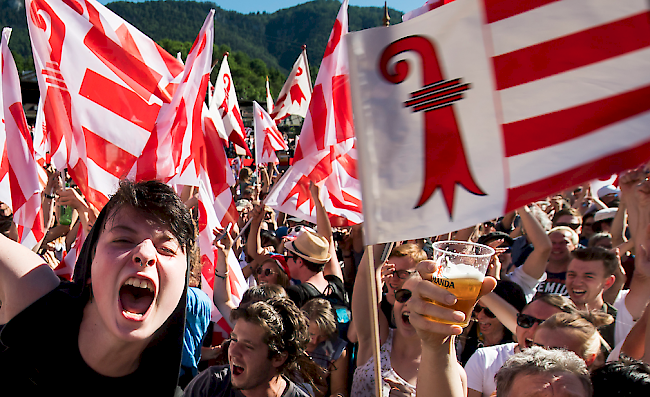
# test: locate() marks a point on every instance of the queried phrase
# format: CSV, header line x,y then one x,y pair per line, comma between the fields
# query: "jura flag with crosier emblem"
x,y
481,106
224,102
296,92
268,138
326,151
19,185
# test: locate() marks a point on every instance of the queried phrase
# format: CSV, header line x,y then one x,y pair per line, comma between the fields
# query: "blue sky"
x,y
246,6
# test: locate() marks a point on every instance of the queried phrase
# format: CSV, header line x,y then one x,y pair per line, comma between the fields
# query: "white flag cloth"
x,y
268,138
269,98
295,95
103,83
19,184
453,131
224,102
428,6
179,127
326,152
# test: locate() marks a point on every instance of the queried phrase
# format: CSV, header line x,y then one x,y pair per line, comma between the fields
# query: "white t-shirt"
x,y
624,320
526,282
484,364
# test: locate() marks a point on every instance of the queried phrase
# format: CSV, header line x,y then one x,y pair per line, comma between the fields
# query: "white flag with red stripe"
x,y
65,268
268,138
481,106
103,84
326,152
224,102
295,95
19,184
178,131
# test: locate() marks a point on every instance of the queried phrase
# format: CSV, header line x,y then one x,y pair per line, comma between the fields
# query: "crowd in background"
x,y
568,310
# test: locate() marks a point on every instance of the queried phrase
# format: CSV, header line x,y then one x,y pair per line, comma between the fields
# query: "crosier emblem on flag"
x,y
442,144
558,97
296,93
326,151
19,185
268,138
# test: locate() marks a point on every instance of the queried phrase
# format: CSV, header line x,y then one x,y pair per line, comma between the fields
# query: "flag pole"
x,y
304,51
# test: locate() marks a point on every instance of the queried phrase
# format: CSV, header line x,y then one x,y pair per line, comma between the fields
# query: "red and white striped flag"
x,y
224,102
268,138
326,152
99,112
65,268
295,95
178,131
481,106
19,185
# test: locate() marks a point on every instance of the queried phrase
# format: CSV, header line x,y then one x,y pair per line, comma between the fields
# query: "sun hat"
x,y
608,189
605,214
311,246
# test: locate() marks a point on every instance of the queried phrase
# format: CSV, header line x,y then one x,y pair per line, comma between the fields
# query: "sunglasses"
x,y
402,274
573,226
267,272
526,321
485,310
403,295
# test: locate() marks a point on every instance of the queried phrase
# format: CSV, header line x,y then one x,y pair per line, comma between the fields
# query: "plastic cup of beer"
x,y
461,267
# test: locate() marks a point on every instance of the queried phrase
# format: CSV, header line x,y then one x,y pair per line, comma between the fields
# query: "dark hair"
x,y
262,293
5,223
609,259
286,330
566,211
488,238
312,266
512,293
626,377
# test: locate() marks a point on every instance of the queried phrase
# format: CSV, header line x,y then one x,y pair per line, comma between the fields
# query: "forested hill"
x,y
274,38
261,44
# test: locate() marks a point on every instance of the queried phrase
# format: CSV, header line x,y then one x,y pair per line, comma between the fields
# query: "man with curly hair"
x,y
267,348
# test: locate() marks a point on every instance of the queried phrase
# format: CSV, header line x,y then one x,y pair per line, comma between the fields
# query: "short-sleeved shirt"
x,y
215,382
484,364
197,319
527,283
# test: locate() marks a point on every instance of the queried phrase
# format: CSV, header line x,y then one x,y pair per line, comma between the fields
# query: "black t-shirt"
x,y
39,354
300,294
554,284
215,382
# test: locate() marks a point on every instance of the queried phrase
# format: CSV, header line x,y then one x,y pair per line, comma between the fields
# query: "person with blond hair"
x,y
577,332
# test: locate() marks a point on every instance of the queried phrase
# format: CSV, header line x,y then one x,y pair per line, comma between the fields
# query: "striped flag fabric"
x,y
99,113
268,138
482,106
326,151
19,180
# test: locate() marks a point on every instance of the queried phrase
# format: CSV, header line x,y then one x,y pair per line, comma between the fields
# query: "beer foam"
x,y
460,270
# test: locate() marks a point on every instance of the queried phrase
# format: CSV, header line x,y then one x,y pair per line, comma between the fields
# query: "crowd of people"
x,y
562,309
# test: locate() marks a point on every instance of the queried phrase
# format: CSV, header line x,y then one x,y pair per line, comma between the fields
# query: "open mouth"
x,y
237,370
406,318
136,297
528,342
579,292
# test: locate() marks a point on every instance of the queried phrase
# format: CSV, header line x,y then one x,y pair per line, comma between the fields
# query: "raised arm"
x,y
439,370
221,291
639,295
361,306
24,278
505,312
535,264
254,242
325,229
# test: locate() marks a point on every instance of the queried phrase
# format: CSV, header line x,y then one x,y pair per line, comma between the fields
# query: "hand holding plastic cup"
x,y
461,267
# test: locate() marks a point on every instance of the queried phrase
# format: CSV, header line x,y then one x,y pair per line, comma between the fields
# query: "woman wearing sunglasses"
x,y
402,349
486,329
486,361
273,270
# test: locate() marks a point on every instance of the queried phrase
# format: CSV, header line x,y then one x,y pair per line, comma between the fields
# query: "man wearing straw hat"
x,y
307,256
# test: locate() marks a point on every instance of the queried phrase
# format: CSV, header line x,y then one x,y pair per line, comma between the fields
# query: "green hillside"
x,y
261,44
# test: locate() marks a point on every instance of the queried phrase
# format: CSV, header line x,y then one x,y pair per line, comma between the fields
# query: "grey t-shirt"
x,y
215,382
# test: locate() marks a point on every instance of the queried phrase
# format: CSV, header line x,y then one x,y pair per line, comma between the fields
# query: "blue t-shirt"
x,y
197,319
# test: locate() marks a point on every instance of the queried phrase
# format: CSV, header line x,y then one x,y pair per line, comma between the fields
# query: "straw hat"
x,y
311,246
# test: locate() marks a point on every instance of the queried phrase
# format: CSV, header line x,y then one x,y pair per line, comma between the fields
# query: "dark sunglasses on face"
x,y
573,226
526,321
403,295
402,274
267,272
485,310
